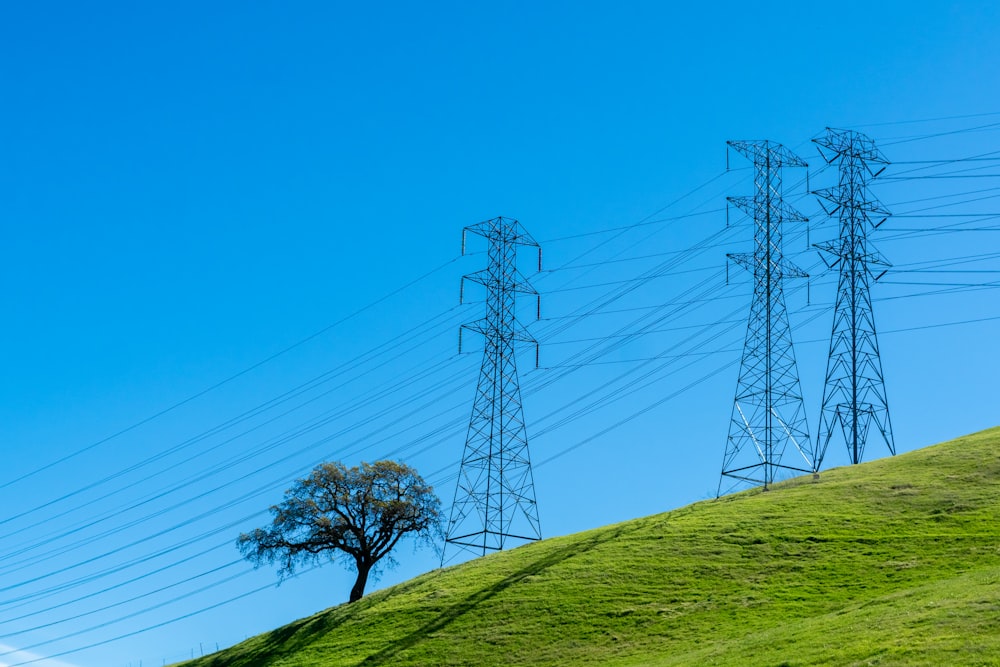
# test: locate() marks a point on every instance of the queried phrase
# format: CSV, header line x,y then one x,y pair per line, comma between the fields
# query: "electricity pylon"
x,y
854,395
495,495
768,411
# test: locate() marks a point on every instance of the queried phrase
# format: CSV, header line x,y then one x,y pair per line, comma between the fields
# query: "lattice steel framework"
x,y
854,396
768,412
495,495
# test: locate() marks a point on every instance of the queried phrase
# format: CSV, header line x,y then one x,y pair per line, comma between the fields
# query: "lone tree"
x,y
361,512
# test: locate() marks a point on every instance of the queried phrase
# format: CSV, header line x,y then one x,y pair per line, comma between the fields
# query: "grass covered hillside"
x,y
894,562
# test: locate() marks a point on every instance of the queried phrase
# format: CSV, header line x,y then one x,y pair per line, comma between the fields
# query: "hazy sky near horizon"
x,y
231,248
23,656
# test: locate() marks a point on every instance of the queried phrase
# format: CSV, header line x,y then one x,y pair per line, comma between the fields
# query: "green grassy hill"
x,y
894,562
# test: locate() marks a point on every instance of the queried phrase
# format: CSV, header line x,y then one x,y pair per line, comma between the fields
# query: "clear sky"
x,y
197,199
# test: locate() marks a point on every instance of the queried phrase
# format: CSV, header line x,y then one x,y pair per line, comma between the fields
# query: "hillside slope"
x,y
894,562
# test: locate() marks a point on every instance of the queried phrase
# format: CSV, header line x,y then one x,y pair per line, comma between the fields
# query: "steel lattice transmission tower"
x,y
495,495
768,412
854,395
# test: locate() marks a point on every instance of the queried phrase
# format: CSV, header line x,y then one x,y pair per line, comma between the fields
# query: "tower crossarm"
x,y
517,333
782,267
851,145
502,230
751,206
514,282
844,249
844,197
765,152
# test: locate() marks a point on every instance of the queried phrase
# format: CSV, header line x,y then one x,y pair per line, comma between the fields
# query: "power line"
x,y
928,120
223,382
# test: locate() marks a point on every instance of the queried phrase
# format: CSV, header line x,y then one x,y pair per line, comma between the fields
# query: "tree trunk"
x,y
359,585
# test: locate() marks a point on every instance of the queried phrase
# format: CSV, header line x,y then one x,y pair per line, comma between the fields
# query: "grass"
x,y
893,562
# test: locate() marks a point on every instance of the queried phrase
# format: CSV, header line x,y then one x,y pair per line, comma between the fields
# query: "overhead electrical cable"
x,y
224,381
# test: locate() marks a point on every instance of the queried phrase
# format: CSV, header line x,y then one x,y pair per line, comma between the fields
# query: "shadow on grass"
x,y
388,655
287,640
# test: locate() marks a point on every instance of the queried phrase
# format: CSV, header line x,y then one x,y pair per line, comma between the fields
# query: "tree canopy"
x,y
359,513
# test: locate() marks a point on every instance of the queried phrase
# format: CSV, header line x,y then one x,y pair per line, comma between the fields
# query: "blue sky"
x,y
190,189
